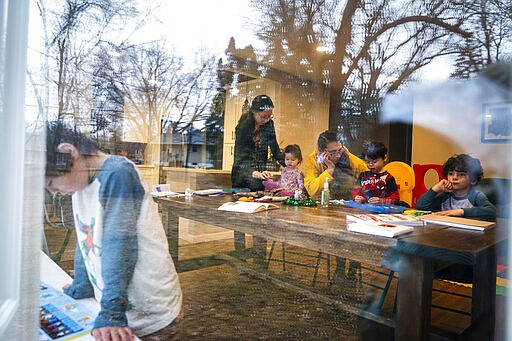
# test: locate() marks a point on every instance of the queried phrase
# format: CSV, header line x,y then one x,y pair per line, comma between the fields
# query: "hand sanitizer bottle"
x,y
325,194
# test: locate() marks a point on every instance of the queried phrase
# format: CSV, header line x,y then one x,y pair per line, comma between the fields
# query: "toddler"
x,y
375,186
292,178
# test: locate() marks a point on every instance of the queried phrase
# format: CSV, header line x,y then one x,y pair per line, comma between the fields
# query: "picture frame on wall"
x,y
497,122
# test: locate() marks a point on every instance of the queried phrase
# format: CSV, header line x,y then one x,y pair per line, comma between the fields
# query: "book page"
x,y
393,218
247,207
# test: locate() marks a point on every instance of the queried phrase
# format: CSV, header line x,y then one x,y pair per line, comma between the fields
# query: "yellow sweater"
x,y
316,173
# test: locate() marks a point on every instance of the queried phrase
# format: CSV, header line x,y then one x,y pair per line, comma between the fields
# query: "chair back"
x,y
420,171
497,191
404,177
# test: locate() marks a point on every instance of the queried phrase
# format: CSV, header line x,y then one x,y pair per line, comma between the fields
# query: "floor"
x,y
232,301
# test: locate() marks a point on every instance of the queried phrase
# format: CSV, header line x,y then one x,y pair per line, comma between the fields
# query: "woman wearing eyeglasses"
x,y
334,162
255,134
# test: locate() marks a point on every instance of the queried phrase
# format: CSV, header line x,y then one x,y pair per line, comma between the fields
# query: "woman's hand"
x,y
443,185
112,334
265,175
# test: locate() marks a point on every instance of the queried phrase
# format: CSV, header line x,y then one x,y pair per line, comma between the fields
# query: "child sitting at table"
x,y
292,178
375,186
121,254
456,195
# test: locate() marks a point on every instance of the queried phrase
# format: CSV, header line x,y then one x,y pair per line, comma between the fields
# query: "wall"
x,y
448,120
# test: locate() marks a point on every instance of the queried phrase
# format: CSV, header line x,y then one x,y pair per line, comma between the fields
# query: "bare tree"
x,y
71,32
148,90
156,85
490,22
370,48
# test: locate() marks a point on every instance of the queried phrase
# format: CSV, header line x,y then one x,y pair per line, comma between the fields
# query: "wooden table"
x,y
325,230
419,254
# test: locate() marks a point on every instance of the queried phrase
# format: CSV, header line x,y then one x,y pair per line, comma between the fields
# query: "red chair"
x,y
419,173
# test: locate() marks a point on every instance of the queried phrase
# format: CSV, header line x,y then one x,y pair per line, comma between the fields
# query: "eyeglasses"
x,y
265,118
334,152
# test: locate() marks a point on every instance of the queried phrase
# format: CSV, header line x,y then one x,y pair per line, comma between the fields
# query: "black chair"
x,y
497,191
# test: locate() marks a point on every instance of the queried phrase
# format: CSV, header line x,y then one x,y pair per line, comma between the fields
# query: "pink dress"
x,y
292,180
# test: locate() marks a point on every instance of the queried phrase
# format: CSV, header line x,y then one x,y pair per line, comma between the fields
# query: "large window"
x,y
17,247
165,84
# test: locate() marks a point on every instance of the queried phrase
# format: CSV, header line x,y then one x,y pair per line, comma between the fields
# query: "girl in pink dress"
x,y
292,178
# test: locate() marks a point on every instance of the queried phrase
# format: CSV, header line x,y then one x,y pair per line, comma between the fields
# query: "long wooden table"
x,y
325,230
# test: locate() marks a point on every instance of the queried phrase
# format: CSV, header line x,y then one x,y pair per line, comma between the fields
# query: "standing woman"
x,y
255,133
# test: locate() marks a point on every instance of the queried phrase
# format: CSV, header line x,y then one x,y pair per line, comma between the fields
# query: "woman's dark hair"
x,y
464,163
294,149
374,150
325,138
58,132
261,103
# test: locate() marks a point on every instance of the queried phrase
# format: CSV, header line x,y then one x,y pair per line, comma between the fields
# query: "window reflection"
x,y
367,71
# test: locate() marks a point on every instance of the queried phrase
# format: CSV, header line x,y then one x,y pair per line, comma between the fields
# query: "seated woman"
x,y
334,162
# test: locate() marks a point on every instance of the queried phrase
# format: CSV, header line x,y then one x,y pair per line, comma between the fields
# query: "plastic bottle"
x,y
325,194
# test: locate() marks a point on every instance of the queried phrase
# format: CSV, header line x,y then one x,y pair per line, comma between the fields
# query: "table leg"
x,y
414,298
171,224
483,307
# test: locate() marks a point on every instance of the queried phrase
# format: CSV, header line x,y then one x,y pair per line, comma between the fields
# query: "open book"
x,y
380,229
164,190
247,207
390,218
464,223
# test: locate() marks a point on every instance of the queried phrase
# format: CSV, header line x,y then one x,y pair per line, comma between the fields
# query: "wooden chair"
x,y
405,180
318,258
55,216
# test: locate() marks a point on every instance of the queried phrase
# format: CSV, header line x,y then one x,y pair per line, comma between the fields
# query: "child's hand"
x,y
443,185
359,199
374,200
265,175
112,333
459,212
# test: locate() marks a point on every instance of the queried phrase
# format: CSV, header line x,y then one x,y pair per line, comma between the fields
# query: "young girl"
x,y
291,177
375,186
